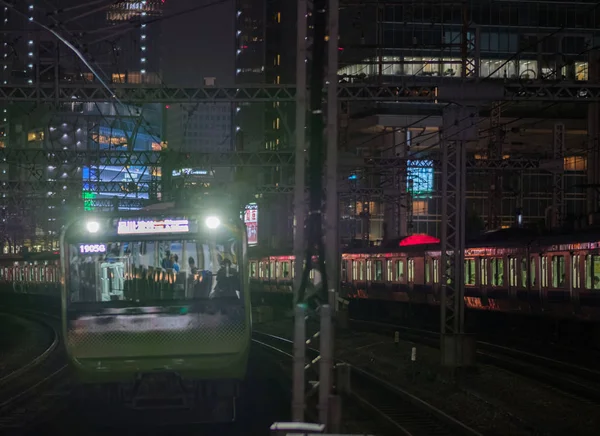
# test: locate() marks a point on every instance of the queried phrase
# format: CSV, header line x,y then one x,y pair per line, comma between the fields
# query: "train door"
x,y
410,273
513,281
544,279
575,282
112,280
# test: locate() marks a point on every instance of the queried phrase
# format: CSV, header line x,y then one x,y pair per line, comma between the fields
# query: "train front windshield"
x,y
140,269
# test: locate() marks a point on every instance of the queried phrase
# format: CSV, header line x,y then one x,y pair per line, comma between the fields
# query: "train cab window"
x,y
544,273
483,272
470,272
497,272
285,270
369,270
559,276
390,271
592,272
253,269
411,270
436,270
576,271
513,271
378,270
532,271
400,271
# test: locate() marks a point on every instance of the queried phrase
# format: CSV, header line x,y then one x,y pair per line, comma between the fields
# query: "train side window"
x,y
378,270
369,270
354,270
272,269
277,270
532,271
428,266
260,270
512,271
483,271
523,272
361,270
293,268
285,270
400,270
436,270
592,272
344,271
253,269
576,271
411,270
497,272
558,271
544,272
469,272
390,270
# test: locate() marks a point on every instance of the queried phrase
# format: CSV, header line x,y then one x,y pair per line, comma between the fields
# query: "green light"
x,y
88,197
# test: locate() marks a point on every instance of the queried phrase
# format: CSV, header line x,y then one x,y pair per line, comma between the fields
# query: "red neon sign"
x,y
418,240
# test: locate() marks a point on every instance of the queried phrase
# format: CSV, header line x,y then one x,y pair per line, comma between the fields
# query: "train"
x,y
155,307
511,270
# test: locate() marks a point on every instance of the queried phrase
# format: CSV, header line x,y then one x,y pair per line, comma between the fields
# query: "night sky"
x,y
198,44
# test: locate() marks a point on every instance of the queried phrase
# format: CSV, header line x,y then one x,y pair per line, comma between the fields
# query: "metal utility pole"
x,y
332,251
458,129
316,153
300,162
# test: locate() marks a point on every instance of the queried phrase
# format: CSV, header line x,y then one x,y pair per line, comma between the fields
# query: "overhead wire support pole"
x,y
458,128
316,154
332,200
300,164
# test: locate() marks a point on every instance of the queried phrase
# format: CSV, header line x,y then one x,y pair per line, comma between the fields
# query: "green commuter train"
x,y
155,308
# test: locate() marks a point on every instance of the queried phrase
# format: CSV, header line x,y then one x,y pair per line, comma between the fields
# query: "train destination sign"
x,y
92,248
134,227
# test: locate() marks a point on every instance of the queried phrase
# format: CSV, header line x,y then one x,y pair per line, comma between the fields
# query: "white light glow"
x,y
212,222
93,226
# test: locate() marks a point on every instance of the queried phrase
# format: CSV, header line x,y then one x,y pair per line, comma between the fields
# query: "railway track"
x,y
397,411
36,389
567,377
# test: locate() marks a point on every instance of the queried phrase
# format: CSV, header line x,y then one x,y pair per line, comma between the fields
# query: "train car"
x,y
513,270
34,273
155,308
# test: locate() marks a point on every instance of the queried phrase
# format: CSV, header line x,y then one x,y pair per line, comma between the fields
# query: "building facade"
x,y
121,49
265,53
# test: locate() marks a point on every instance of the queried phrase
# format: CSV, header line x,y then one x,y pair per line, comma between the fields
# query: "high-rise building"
x,y
121,49
265,53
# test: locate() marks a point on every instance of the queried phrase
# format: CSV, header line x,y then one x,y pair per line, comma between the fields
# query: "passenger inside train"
x,y
150,270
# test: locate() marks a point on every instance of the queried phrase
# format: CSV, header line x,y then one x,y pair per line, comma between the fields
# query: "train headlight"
x,y
93,226
212,222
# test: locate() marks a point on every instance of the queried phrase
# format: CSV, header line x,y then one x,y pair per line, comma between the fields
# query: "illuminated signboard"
x,y
152,227
189,172
92,248
251,221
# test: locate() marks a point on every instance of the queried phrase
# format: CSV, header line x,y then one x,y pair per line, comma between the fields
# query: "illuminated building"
x,y
265,53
